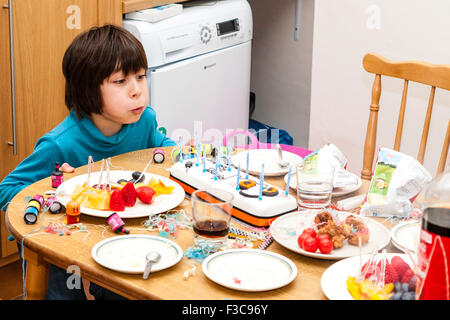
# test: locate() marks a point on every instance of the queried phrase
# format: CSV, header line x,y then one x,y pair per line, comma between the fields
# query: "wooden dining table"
x,y
41,249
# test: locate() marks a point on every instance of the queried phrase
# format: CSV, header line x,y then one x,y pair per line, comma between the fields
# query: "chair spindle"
x,y
369,145
401,118
426,127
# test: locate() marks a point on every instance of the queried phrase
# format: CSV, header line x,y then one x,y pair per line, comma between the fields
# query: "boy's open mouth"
x,y
137,110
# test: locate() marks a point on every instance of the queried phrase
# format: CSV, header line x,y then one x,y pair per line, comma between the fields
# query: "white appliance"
x,y
199,68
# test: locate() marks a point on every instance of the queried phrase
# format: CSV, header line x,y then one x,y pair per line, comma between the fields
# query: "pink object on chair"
x,y
255,144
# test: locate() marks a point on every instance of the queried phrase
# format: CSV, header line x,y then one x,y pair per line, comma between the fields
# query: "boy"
x,y
107,95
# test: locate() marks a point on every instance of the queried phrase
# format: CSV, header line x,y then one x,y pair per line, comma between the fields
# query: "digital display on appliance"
x,y
227,27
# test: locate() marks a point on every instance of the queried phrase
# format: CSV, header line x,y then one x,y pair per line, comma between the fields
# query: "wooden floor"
x,y
11,281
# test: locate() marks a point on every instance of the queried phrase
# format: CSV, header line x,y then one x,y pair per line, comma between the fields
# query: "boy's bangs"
x,y
131,58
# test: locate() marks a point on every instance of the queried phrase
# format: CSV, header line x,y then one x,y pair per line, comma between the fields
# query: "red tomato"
x,y
323,236
310,244
301,239
310,231
325,246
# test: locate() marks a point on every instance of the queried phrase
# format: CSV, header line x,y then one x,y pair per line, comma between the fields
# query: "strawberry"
x,y
400,265
390,274
145,194
116,201
407,276
129,194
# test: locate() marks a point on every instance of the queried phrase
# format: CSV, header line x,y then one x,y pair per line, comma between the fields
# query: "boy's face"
x,y
124,97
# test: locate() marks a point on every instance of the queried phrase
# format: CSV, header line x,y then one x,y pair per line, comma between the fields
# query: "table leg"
x,y
36,276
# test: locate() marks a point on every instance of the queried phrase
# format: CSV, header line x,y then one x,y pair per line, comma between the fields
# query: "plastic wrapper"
x,y
330,155
396,181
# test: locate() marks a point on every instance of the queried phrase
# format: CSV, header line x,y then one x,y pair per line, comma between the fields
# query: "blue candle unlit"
x,y
219,153
286,192
238,176
246,170
229,158
215,170
204,159
261,182
181,150
198,154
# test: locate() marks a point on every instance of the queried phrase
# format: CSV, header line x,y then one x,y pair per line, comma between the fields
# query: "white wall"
x,y
281,66
344,31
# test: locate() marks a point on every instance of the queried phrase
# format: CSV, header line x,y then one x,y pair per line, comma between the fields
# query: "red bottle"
x,y
433,278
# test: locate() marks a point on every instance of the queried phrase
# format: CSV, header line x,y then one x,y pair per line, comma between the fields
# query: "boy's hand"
x,y
66,168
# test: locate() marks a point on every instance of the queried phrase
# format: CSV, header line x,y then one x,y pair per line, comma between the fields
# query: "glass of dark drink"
x,y
211,215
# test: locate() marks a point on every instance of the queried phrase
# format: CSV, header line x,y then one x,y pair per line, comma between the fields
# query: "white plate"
x,y
406,235
127,253
286,229
249,269
337,192
161,203
270,159
333,281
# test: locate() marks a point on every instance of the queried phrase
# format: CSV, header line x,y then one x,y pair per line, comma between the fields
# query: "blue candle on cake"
x,y
219,153
197,150
204,159
238,176
181,150
229,158
215,170
246,170
286,192
261,182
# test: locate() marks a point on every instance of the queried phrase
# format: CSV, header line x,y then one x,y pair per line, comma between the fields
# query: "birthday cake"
x,y
252,204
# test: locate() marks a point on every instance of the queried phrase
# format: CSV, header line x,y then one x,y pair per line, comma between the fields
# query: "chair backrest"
x,y
436,76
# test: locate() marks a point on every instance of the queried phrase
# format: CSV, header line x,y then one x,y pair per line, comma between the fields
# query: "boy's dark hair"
x,y
91,58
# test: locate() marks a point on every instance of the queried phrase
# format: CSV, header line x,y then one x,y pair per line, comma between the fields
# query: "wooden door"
x,y
5,93
42,30
7,248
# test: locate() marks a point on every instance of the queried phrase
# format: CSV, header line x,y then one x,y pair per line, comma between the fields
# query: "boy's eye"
x,y
141,76
119,81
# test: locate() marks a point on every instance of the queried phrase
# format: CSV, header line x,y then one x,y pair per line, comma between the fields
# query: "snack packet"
x,y
396,181
330,155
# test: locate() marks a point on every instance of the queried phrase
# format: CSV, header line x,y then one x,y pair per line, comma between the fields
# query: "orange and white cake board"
x,y
246,203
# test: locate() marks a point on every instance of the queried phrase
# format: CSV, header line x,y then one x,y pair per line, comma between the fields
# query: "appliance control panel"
x,y
198,30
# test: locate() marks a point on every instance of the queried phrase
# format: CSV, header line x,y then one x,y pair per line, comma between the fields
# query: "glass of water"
x,y
314,186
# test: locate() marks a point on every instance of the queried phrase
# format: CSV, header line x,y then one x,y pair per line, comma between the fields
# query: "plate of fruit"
x,y
329,234
129,193
369,278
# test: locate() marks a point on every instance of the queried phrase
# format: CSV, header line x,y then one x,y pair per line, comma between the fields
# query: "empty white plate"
x,y
337,192
128,253
270,159
406,235
249,269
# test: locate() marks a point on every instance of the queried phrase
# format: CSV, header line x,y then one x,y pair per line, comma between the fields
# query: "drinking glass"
x,y
314,185
211,215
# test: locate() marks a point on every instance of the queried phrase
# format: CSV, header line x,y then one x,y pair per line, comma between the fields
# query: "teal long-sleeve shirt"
x,y
73,141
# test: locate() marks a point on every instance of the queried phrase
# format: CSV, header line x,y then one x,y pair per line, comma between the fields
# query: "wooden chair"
x,y
437,76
